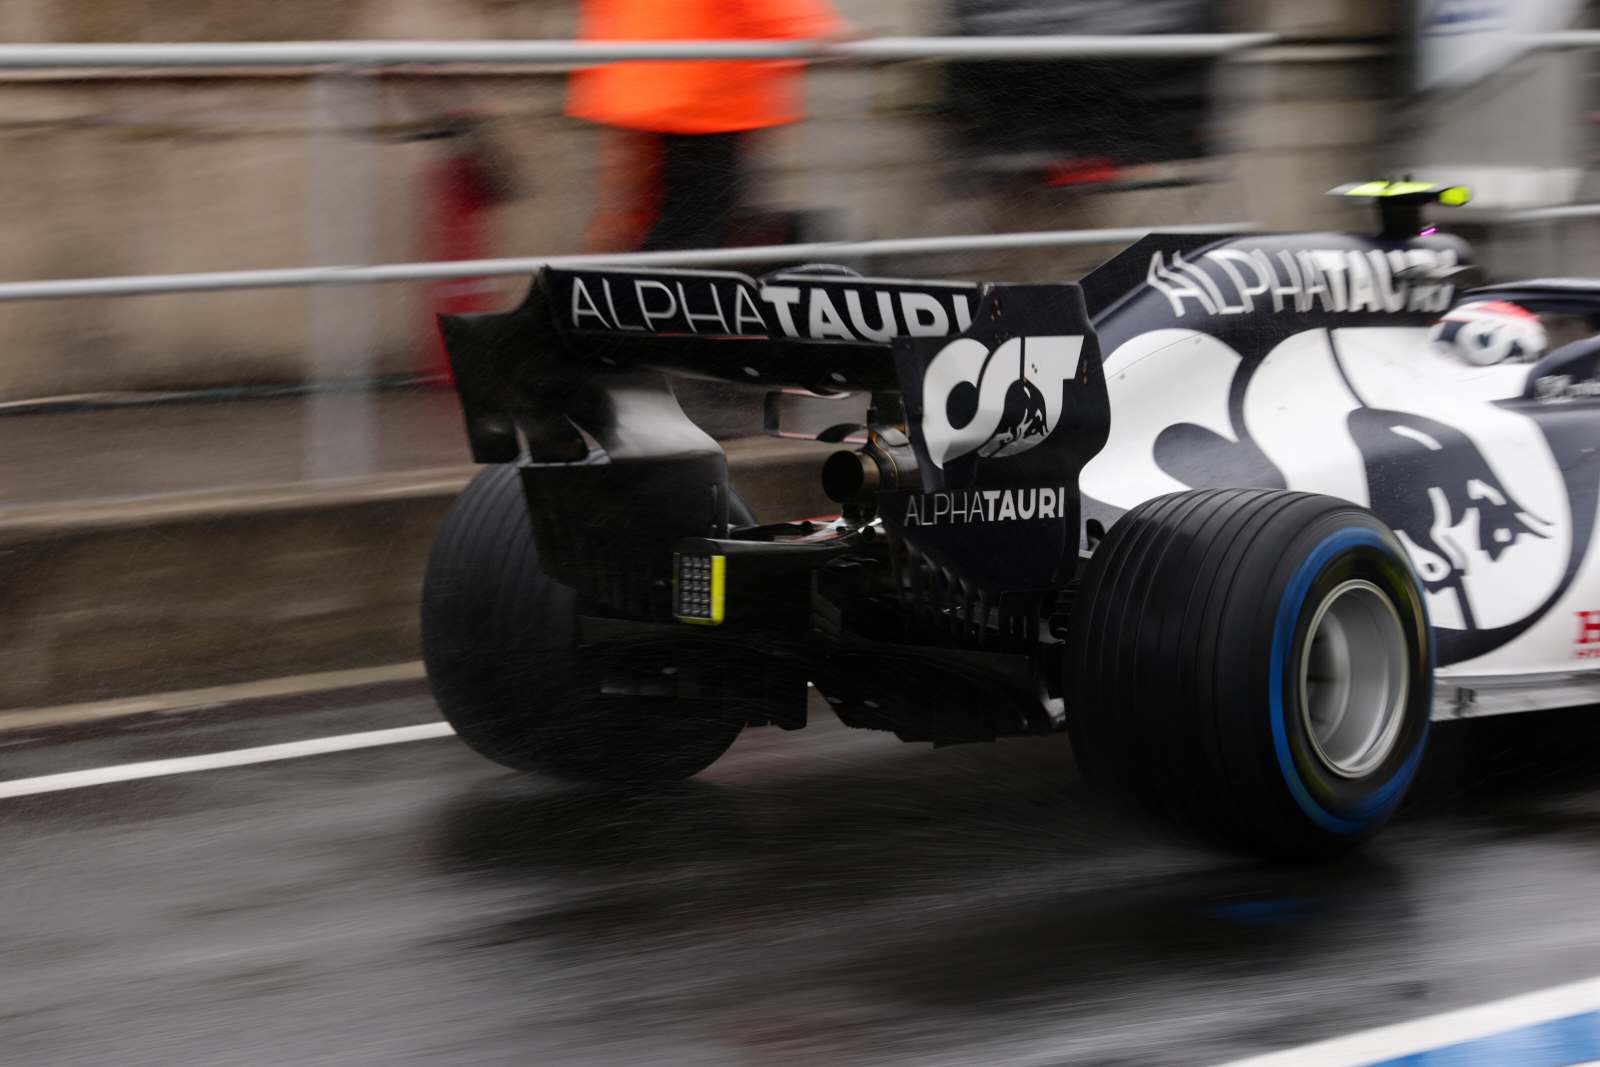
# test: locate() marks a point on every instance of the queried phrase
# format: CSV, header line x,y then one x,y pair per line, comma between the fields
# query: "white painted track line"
x,y
1439,1031
162,768
213,696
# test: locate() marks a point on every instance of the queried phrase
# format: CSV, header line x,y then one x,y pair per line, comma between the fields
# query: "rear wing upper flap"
x,y
815,305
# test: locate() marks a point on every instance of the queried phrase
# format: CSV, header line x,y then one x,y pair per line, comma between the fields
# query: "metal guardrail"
x,y
222,281
358,55
1565,40
340,429
452,53
1562,213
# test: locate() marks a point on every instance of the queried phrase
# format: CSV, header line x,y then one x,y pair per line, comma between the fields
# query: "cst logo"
x,y
997,404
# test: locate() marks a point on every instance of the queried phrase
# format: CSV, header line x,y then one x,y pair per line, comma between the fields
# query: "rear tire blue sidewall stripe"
x,y
1382,802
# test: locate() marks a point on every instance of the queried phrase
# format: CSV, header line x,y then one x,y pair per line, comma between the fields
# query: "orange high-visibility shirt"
x,y
696,97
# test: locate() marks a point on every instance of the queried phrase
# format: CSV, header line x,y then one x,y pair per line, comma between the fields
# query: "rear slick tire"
x,y
1254,665
499,640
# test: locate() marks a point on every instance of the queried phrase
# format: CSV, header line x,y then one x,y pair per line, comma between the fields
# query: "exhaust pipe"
x,y
887,464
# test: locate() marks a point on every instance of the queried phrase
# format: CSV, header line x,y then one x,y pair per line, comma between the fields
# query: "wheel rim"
x,y
1354,679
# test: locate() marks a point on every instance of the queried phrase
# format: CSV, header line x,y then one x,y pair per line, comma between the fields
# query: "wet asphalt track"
x,y
821,897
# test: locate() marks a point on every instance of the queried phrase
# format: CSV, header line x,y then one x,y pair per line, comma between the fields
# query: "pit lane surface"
x,y
826,896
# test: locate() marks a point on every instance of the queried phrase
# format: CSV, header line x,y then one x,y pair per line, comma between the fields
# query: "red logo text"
x,y
1589,635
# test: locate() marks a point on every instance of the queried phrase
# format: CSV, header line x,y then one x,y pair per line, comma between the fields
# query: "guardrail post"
x,y
340,420
1307,119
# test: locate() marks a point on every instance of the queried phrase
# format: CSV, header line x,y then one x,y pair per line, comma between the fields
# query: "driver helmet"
x,y
1486,332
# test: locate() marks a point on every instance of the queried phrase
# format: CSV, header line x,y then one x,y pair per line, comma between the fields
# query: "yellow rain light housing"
x,y
699,589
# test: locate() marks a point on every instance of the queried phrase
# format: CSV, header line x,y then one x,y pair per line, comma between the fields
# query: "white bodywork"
x,y
1296,409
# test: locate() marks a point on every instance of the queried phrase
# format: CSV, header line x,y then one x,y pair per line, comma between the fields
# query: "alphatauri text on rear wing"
x,y
782,307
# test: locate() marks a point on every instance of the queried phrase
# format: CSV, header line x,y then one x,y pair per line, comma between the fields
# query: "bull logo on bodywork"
x,y
1023,418
1481,495
1471,517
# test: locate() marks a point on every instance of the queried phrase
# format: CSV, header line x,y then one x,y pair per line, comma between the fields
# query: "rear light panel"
x,y
699,589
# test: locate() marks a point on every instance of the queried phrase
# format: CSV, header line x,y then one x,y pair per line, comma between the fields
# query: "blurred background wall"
x,y
116,172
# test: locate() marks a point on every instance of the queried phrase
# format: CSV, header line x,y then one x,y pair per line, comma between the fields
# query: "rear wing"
x,y
820,330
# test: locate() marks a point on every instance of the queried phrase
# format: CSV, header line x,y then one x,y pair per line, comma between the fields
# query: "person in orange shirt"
x,y
673,160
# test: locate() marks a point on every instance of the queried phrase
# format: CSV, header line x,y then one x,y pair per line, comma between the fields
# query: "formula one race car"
x,y
1240,514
